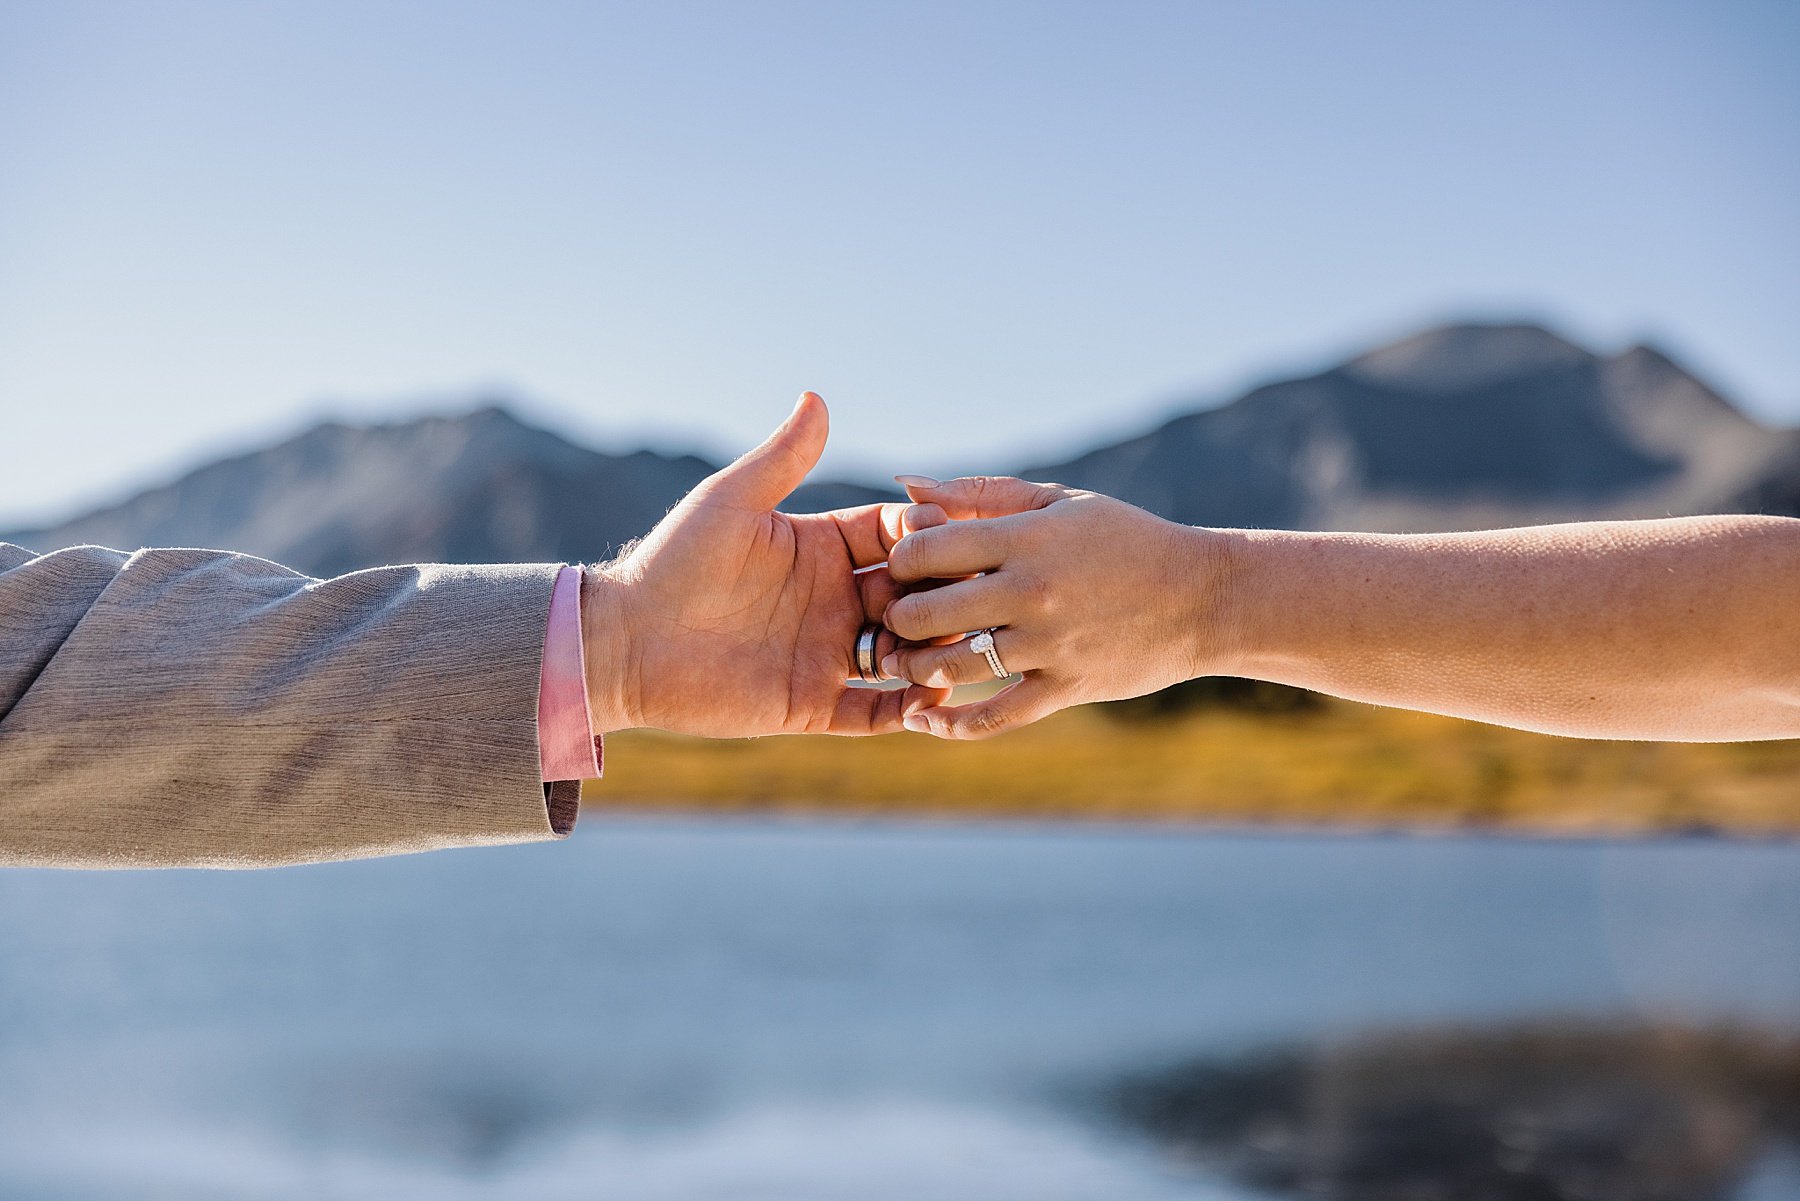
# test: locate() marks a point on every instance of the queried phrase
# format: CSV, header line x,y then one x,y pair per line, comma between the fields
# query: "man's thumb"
x,y
763,477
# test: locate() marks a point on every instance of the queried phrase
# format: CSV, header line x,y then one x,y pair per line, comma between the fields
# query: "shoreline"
x,y
1342,769
642,811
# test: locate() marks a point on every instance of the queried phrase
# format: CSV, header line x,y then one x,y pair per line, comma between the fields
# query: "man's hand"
x,y
732,620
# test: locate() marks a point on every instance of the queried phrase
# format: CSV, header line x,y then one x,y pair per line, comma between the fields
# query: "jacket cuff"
x,y
567,748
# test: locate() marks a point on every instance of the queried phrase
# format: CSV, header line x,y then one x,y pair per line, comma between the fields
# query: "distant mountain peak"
x,y
1466,355
491,411
1462,426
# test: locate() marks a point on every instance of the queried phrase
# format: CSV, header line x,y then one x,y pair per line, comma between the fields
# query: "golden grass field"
x,y
1343,764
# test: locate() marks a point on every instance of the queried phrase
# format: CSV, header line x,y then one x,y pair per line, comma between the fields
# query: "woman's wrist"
x,y
1209,582
1291,604
609,655
1244,624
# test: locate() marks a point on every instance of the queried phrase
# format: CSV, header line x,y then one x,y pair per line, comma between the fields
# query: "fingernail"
x,y
890,666
916,723
916,481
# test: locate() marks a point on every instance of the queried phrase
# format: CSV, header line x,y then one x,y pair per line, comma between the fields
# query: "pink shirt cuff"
x,y
567,747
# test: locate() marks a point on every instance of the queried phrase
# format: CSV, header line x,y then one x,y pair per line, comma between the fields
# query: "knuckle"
x,y
1035,592
986,494
939,670
984,723
910,616
904,558
915,666
970,538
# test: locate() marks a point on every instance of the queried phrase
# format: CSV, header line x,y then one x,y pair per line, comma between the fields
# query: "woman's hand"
x,y
1674,629
1089,598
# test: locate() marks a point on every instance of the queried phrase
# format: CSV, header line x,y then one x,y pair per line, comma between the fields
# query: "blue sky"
x,y
979,229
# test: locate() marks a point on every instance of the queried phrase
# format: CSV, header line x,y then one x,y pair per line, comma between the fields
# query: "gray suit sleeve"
x,y
198,708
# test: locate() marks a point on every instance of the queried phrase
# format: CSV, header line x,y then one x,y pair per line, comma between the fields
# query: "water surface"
x,y
708,1010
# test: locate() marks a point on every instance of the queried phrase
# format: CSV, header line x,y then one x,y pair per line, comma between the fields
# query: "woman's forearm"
x,y
1684,629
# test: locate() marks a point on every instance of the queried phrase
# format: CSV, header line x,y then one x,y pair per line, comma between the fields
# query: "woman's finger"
x,y
865,538
1029,700
959,663
977,496
949,551
878,589
953,609
863,711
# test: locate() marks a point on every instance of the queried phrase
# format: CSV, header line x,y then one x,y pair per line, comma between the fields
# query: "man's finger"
x,y
870,531
762,478
877,590
976,496
1021,704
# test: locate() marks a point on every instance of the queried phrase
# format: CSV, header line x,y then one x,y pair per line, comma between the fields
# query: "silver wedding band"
x,y
983,644
867,669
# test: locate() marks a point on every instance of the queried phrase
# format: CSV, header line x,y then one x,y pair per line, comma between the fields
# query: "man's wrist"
x,y
609,652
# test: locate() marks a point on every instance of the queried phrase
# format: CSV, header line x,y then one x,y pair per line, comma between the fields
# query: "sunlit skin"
x,y
731,620
1684,629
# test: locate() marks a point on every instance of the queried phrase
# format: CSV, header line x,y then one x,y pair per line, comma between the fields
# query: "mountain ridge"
x,y
1460,425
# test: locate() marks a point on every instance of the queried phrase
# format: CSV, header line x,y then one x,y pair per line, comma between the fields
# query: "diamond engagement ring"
x,y
983,644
